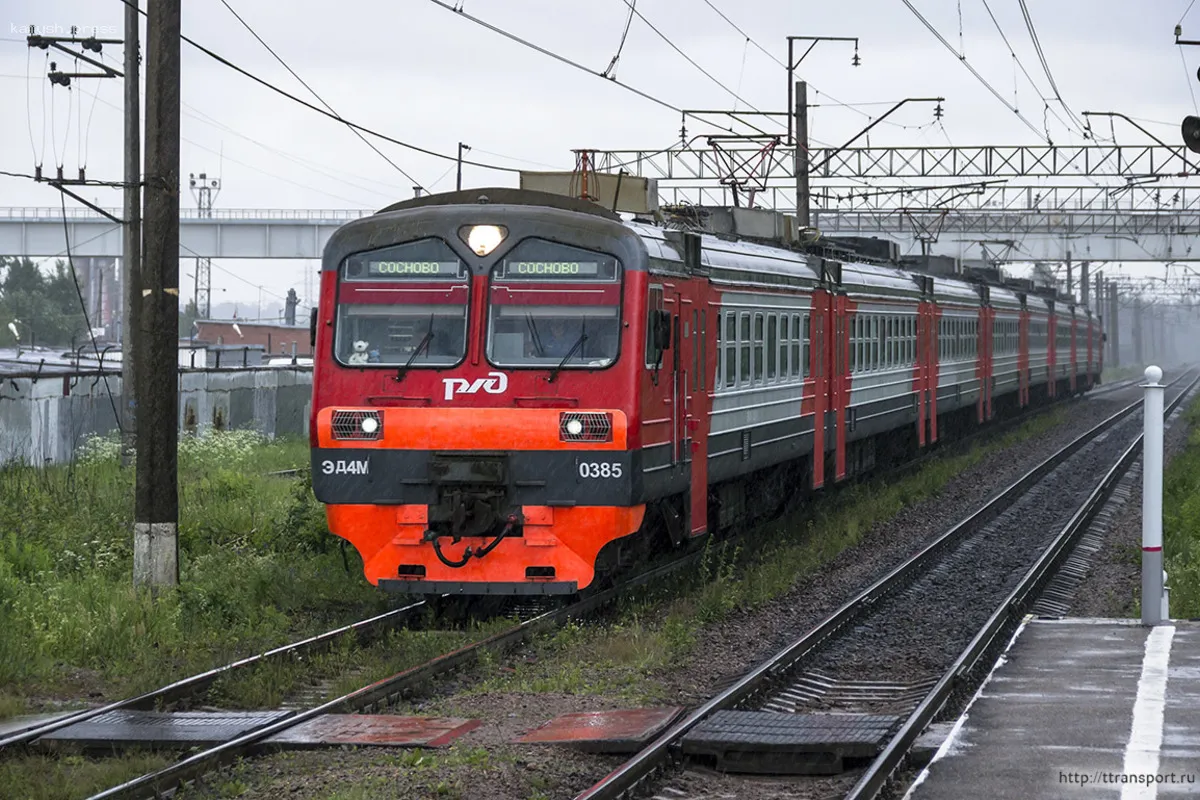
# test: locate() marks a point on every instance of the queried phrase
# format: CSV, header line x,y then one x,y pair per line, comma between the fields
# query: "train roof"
x,y
717,253
729,257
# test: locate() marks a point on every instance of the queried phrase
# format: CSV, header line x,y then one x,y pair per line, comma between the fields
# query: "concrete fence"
x,y
44,419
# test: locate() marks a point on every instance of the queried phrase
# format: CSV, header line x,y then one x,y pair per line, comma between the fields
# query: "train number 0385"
x,y
602,469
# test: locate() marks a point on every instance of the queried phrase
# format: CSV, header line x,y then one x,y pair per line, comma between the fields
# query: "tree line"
x,y
42,306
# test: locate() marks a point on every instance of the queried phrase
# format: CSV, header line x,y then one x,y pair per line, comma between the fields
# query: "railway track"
x,y
909,648
381,693
377,696
195,685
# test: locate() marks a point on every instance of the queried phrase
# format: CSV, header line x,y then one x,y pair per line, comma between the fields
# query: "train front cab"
x,y
502,460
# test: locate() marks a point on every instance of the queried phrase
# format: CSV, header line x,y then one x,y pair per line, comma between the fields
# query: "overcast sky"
x,y
430,77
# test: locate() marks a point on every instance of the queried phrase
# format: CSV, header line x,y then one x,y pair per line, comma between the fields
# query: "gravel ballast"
x,y
1113,585
722,651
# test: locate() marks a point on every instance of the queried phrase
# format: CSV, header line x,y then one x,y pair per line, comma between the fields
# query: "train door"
x,y
839,371
984,359
1074,353
933,343
1023,355
688,405
1052,354
1089,350
818,370
927,374
696,416
921,370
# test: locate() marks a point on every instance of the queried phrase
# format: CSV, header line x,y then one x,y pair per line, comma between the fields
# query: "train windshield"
x,y
550,304
405,304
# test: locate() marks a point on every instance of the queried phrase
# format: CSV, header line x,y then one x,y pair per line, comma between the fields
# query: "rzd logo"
x,y
495,383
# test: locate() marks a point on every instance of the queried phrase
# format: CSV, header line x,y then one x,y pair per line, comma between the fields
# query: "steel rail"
x,y
380,692
195,684
658,753
198,683
1005,618
989,431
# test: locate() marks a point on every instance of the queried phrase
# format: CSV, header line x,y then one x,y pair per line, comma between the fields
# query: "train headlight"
x,y
360,425
585,426
483,239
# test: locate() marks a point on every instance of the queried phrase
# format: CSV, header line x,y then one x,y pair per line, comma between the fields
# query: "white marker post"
x,y
1153,602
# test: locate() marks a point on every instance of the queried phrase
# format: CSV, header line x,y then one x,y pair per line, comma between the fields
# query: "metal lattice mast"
x,y
204,190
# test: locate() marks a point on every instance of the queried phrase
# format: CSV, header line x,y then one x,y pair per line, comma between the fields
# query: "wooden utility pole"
x,y
156,515
803,214
131,250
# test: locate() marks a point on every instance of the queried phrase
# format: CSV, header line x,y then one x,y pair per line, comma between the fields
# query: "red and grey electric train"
x,y
517,392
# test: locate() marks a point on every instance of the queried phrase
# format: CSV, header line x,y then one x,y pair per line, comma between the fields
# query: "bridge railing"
x,y
256,214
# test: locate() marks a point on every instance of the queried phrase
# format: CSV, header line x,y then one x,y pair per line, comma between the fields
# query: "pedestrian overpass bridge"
x,y
1064,223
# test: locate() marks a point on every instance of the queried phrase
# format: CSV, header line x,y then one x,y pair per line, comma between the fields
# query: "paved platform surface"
x,y
1079,708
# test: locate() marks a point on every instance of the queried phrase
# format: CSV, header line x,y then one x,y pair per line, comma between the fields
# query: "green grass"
x,y
345,667
377,773
1118,374
656,629
1181,522
50,778
258,568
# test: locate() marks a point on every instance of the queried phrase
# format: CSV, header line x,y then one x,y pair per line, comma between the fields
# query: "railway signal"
x,y
1191,133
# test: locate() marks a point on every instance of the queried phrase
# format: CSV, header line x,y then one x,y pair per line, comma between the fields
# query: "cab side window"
x,y
653,306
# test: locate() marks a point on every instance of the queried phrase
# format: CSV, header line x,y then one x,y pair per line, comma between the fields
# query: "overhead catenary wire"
x,y
571,63
313,91
83,307
1037,46
611,69
1186,11
201,117
267,84
1187,77
555,56
834,101
1020,64
686,57
975,72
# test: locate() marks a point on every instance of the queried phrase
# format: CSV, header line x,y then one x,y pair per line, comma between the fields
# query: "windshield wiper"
x,y
578,343
537,340
400,373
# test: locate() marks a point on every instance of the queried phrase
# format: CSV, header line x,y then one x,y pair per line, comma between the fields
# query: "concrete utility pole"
x,y
1154,596
1114,310
132,245
803,195
1138,348
1084,284
458,181
156,513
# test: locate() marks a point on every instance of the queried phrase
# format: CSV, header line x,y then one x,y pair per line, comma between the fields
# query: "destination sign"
x,y
553,268
413,269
